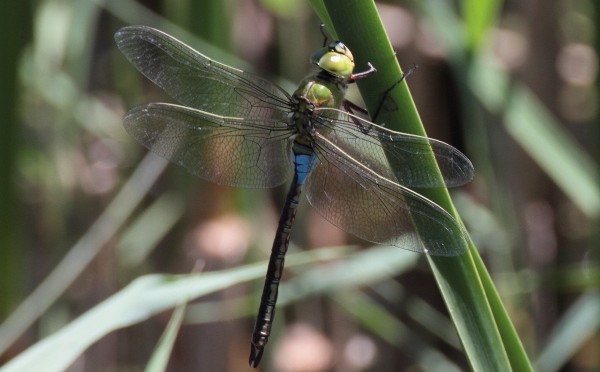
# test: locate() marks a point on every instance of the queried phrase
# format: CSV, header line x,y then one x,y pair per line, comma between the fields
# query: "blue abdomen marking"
x,y
303,165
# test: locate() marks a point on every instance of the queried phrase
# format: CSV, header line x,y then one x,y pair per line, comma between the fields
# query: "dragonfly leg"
x,y
352,108
324,33
409,72
359,75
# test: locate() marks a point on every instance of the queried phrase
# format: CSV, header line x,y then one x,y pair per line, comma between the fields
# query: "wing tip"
x,y
131,32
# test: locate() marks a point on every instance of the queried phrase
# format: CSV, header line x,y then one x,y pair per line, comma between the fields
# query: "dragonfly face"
x,y
234,128
335,58
326,87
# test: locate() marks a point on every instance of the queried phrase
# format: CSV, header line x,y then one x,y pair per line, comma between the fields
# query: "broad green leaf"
x,y
143,298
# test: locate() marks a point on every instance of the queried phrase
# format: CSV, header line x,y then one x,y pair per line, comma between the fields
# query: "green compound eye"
x,y
336,59
337,64
341,48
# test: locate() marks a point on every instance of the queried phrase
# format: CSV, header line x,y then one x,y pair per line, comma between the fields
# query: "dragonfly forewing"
x,y
378,210
377,147
226,151
198,81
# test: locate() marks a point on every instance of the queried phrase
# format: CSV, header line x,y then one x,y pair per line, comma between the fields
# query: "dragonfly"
x,y
234,128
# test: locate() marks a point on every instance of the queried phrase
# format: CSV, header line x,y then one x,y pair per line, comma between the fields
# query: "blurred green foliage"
x,y
515,85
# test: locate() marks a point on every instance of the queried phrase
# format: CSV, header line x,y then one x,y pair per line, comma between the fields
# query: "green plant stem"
x,y
488,337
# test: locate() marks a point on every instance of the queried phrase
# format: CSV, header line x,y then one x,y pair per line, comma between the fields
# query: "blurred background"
x,y
84,210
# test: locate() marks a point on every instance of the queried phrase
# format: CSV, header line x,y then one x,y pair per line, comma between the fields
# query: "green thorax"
x,y
316,90
321,90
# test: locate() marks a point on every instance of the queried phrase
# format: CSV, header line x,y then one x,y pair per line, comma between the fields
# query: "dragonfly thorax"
x,y
321,90
322,94
315,91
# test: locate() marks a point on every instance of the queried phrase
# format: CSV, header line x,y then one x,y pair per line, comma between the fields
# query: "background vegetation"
x,y
84,211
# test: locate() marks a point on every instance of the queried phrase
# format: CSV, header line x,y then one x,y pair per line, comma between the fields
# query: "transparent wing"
x,y
377,147
227,151
196,80
357,200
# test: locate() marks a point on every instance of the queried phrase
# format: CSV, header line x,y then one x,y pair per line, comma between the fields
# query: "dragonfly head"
x,y
334,58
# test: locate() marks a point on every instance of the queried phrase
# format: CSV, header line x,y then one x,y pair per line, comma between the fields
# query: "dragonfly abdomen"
x,y
266,311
